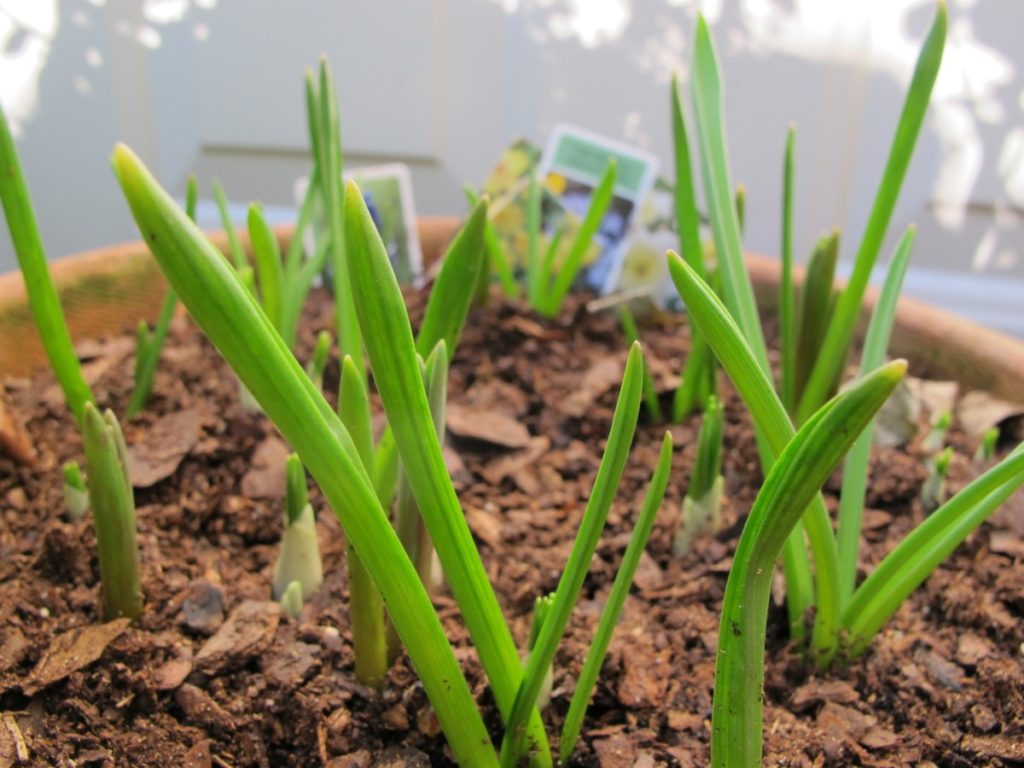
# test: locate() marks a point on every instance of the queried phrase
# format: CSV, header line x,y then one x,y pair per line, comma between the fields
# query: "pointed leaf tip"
x,y
897,368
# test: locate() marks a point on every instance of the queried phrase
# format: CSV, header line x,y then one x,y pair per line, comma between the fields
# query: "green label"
x,y
579,156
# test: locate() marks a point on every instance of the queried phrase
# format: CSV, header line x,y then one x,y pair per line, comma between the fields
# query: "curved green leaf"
x,y
795,479
242,333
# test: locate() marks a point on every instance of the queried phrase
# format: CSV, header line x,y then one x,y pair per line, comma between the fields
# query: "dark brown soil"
x,y
213,675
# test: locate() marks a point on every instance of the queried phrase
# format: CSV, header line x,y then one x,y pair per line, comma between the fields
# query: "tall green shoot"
x,y
835,347
42,295
787,320
855,469
737,291
702,505
801,468
150,342
113,512
226,312
517,741
616,600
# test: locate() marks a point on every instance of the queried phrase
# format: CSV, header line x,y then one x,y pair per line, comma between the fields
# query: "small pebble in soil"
x,y
203,609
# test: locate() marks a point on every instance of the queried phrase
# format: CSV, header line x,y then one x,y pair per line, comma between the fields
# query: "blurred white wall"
x,y
215,86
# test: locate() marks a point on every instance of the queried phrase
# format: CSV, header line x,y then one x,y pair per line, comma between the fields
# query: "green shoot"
x,y
365,606
150,342
298,561
291,600
443,319
318,361
817,298
685,198
235,248
771,421
616,599
793,482
629,327
534,277
738,295
296,495
449,302
933,491
787,301
702,505
555,288
326,129
936,437
698,381
737,291
828,367
42,296
222,307
925,548
392,351
298,275
987,448
113,512
76,495
624,419
541,611
741,206
269,269
699,371
408,522
495,250
855,469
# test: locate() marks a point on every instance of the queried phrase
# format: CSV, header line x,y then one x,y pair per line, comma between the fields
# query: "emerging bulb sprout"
x,y
318,362
76,495
936,437
113,512
541,610
299,558
933,492
702,506
987,447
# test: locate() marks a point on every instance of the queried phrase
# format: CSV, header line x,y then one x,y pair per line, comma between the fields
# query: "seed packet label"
x,y
387,191
571,166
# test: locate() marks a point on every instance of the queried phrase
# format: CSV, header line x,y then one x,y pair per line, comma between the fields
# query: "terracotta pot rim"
x,y
940,340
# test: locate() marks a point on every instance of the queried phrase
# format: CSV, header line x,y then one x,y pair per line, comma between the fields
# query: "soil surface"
x,y
214,675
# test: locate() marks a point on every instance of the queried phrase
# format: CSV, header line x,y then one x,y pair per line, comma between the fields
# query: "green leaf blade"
x,y
616,599
601,198
793,482
392,352
925,548
620,437
787,320
855,469
219,303
840,331
42,295
737,290
452,294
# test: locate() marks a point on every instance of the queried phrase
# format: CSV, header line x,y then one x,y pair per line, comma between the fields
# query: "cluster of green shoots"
x,y
109,493
802,435
550,272
391,556
393,496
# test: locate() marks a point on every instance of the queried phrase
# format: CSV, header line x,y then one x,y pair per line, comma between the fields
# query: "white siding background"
x,y
215,87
